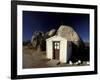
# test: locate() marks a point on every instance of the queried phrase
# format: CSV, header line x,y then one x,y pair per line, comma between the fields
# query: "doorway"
x,y
56,49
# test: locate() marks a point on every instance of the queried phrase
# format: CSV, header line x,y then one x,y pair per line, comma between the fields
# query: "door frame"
x,y
54,54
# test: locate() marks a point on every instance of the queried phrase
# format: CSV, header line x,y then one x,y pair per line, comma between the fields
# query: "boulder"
x,y
38,41
50,33
71,35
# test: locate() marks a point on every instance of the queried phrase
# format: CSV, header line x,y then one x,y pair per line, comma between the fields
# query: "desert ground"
x,y
37,59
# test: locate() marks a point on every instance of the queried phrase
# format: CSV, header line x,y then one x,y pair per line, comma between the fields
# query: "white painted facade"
x,y
64,51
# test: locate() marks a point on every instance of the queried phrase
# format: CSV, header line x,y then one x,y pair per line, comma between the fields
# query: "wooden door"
x,y
56,49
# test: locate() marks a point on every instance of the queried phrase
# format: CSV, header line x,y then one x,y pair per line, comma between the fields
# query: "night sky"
x,y
45,21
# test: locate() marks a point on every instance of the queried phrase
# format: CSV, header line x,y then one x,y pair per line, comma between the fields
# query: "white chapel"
x,y
58,48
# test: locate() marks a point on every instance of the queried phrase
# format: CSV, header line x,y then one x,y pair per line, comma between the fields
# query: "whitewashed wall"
x,y
49,49
63,48
63,51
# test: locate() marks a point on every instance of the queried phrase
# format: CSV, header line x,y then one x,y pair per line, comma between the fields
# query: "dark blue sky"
x,y
45,21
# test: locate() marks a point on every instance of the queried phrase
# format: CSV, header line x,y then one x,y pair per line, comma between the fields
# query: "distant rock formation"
x,y
38,41
50,33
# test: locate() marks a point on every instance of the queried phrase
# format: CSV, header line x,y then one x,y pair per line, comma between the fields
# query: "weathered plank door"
x,y
56,50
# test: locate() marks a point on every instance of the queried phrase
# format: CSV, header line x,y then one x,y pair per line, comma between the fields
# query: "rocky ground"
x,y
36,59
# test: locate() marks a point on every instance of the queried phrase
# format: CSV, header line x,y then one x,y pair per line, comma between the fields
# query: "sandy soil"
x,y
35,59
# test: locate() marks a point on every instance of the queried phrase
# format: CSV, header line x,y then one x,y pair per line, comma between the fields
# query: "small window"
x,y
56,45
